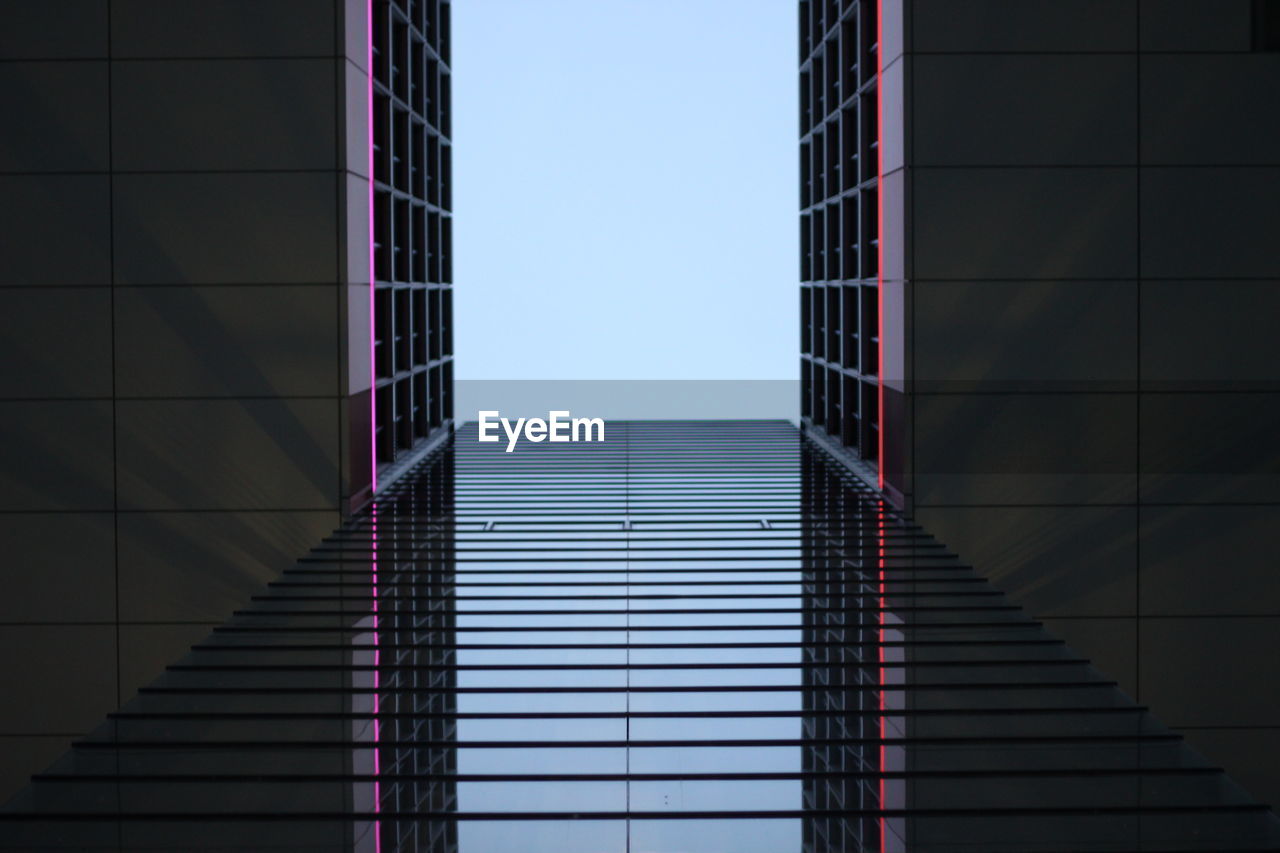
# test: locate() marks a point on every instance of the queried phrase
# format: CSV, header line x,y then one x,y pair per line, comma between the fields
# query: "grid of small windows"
x,y
839,225
844,653
413,300
412,656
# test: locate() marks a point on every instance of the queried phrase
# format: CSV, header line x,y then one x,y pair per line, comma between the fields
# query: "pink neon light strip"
x,y
373,368
880,193
880,651
377,724
880,240
373,451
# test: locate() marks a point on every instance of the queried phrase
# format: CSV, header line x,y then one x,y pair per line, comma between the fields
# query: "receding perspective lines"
x,y
694,636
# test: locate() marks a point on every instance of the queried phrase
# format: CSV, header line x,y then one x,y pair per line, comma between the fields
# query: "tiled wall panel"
x,y
173,308
1094,395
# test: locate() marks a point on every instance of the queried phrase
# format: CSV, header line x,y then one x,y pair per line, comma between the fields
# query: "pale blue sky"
x,y
625,189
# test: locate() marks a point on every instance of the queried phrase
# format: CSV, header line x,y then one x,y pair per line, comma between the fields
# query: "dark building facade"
x,y
190,336
1076,277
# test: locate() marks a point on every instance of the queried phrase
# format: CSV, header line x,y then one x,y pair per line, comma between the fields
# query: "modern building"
x,y
316,613
192,344
1039,274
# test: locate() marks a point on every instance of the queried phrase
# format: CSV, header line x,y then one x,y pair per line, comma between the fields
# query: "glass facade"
x,y
840,253
412,234
693,636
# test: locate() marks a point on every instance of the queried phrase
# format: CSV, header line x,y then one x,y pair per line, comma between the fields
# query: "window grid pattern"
x,y
839,222
843,652
413,226
409,680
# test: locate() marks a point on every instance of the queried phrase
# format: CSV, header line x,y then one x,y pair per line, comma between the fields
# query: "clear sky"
x,y
625,189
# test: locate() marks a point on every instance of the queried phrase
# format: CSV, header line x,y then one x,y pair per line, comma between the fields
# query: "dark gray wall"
x,y
174,292
1089,337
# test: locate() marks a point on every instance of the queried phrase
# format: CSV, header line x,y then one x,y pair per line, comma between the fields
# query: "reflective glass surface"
x,y
698,637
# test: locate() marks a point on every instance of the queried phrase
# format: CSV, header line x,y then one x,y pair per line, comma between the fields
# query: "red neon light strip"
x,y
880,652
373,451
373,369
884,841
377,725
880,242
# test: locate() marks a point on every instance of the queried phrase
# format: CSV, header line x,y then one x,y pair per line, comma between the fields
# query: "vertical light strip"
x,y
377,653
880,369
373,328
880,241
880,653
373,449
